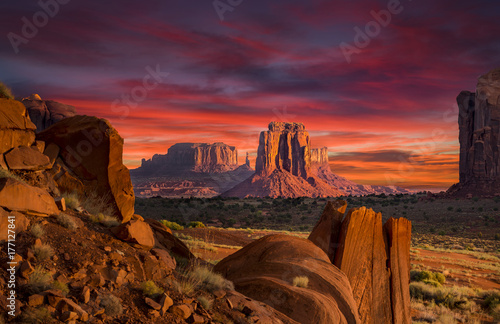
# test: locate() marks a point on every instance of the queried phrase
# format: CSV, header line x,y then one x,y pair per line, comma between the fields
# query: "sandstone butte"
x,y
479,125
283,166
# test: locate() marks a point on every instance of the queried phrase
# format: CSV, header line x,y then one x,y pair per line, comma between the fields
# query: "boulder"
x,y
92,150
21,223
19,196
265,270
26,158
135,231
326,232
166,241
399,242
16,128
46,113
362,256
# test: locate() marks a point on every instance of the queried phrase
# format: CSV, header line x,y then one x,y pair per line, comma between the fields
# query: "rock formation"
x,y
283,166
375,259
16,128
90,159
44,113
265,270
196,157
321,169
479,125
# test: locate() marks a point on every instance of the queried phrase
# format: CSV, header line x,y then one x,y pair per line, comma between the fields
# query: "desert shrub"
x,y
301,281
433,278
7,174
172,225
491,299
5,91
61,286
40,280
66,221
205,302
37,230
36,315
42,252
202,278
496,313
112,305
72,201
452,298
196,225
150,289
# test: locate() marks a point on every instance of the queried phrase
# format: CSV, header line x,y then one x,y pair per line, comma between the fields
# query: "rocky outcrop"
x,y
265,270
479,126
26,158
137,232
44,113
90,158
16,128
18,196
196,157
283,166
20,221
375,259
325,233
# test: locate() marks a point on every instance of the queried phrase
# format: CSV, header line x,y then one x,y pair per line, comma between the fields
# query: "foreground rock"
x,y
16,128
265,270
479,124
45,113
375,259
283,166
91,149
19,196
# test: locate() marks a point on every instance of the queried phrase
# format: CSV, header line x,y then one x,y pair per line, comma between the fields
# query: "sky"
x,y
374,81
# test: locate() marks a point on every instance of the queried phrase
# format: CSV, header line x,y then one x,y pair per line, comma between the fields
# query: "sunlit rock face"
x,y
479,124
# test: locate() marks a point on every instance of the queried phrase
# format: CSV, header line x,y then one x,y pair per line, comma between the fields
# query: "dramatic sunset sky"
x,y
388,117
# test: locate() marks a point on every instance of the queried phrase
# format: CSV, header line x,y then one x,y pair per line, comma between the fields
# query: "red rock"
x,y
16,128
52,152
165,303
325,233
166,241
319,155
66,304
18,196
21,223
399,241
61,203
361,255
196,319
151,303
26,158
182,311
166,258
264,270
283,166
92,149
136,232
35,300
46,113
26,269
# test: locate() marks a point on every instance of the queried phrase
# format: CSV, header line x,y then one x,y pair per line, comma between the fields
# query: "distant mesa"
x,y
45,113
283,166
190,169
479,136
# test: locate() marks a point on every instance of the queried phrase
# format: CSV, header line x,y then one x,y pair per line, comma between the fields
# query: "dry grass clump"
x,y
66,221
5,92
150,289
202,278
61,286
205,302
40,280
96,204
112,305
452,298
37,230
72,201
108,221
300,281
43,252
36,315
